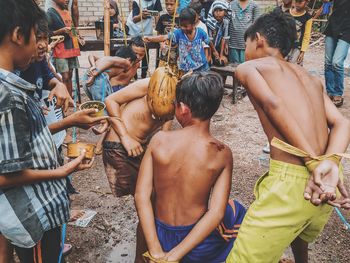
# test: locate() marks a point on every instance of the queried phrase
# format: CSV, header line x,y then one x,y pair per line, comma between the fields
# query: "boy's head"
x,y
187,20
197,7
138,46
170,6
300,5
219,10
63,4
18,20
198,96
274,30
127,53
42,34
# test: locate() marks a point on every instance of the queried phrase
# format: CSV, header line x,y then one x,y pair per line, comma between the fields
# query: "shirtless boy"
x,y
97,85
293,107
183,187
132,123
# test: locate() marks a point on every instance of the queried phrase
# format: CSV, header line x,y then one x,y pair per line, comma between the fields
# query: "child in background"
x,y
140,22
303,21
164,27
190,42
218,32
244,13
65,54
197,6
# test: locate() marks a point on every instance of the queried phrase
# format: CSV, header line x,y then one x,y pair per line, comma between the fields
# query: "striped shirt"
x,y
241,19
26,143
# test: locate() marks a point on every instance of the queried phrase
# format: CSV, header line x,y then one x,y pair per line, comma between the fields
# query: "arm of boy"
x,y
134,91
81,119
305,41
143,202
59,90
212,217
30,176
328,170
155,39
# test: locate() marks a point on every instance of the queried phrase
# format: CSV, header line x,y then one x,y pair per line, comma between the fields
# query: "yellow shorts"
x,y
278,215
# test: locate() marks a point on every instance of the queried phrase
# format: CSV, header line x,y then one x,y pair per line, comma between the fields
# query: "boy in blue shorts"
x,y
183,188
189,40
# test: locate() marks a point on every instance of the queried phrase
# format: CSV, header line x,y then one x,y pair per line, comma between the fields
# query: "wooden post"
x,y
107,38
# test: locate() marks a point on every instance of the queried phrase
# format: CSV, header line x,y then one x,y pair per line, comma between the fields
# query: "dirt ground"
x,y
110,237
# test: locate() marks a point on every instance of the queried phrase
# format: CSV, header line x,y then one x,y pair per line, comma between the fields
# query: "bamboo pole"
x,y
107,38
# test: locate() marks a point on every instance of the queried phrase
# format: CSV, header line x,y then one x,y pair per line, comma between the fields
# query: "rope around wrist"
x,y
149,256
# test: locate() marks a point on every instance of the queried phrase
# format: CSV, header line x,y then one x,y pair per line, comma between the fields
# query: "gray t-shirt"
x,y
241,19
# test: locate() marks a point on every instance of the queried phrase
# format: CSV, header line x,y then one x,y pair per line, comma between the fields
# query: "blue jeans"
x,y
336,52
236,55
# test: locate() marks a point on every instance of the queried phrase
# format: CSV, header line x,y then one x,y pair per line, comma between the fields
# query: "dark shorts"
x,y
121,170
46,251
216,247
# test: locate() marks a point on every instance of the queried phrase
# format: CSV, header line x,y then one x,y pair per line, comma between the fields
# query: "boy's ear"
x,y
185,110
259,40
17,36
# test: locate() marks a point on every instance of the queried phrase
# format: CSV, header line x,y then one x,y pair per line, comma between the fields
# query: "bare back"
x,y
185,169
303,98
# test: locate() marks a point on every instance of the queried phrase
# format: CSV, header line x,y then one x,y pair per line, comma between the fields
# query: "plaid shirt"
x,y
26,143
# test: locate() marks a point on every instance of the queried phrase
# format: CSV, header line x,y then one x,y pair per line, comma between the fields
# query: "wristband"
x,y
148,255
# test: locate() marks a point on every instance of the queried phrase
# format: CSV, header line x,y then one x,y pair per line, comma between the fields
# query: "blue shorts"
x,y
117,88
216,247
101,85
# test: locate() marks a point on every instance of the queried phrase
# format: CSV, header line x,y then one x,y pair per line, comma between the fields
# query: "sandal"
x,y
338,101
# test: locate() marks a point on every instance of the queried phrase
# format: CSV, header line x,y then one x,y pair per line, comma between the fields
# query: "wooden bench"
x,y
229,71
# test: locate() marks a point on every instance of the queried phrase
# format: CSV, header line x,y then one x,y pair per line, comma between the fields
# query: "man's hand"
x,y
147,39
84,120
63,97
77,164
216,55
145,14
323,183
65,30
300,57
223,59
132,146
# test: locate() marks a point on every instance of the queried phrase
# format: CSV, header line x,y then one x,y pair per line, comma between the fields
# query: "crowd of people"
x,y
182,188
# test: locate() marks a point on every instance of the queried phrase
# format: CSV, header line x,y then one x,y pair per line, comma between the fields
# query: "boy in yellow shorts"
x,y
293,107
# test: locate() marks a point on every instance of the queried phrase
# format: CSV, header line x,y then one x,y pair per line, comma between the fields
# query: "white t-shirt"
x,y
205,29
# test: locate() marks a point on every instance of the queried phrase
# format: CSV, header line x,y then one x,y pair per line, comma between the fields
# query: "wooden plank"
x,y
95,44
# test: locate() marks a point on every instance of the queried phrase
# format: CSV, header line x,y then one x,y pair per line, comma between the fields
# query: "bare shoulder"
x,y
160,139
220,149
247,69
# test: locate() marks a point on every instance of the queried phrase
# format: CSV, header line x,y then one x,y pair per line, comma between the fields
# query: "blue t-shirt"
x,y
38,74
191,53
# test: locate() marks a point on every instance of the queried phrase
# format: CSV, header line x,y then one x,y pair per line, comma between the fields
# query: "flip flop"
x,y
67,249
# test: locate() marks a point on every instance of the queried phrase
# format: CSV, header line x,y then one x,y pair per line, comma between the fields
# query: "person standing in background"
x,y
72,7
337,45
244,13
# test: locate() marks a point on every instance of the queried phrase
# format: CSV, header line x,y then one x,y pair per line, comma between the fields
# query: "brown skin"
x,y
219,15
112,65
6,251
300,113
170,188
170,7
131,118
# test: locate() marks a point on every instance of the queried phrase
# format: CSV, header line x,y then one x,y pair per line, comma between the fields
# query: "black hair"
x,y
137,41
278,28
43,24
18,13
188,14
196,6
202,92
126,52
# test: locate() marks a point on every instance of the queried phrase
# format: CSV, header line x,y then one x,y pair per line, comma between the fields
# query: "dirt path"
x,y
238,126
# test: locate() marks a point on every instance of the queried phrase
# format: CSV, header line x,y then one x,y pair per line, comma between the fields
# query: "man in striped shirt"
x,y
33,194
244,13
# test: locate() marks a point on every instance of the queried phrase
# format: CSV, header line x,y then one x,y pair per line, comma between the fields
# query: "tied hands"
x,y
161,257
323,183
